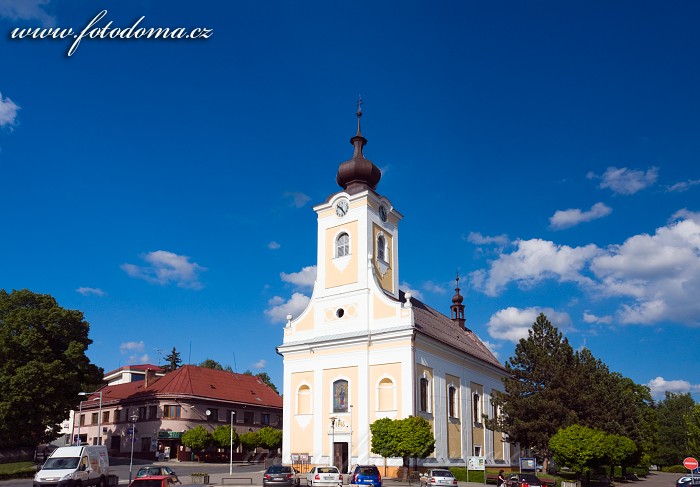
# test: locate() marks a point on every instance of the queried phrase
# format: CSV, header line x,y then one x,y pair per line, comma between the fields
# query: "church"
x,y
363,349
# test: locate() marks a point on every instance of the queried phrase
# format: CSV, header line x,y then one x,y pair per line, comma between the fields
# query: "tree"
x,y
578,447
222,436
692,421
249,441
42,355
534,406
415,438
673,429
270,438
211,364
264,377
383,439
617,449
173,361
197,438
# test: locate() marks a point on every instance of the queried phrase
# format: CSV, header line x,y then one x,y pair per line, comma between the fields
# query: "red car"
x,y
152,481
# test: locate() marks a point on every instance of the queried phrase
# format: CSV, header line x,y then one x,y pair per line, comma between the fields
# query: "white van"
x,y
75,466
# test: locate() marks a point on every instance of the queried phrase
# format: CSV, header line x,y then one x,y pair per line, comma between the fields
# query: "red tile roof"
x,y
199,382
434,324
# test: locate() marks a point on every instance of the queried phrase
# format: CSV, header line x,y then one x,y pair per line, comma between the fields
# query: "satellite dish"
x,y
208,412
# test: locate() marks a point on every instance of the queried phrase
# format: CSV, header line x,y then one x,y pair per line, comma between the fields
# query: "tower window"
x,y
424,395
381,248
342,245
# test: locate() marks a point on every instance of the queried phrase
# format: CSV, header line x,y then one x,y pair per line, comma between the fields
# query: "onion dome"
x,y
358,173
457,307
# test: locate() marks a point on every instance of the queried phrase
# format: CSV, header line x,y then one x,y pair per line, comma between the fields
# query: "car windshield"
x,y
279,469
327,470
368,470
442,473
58,463
148,471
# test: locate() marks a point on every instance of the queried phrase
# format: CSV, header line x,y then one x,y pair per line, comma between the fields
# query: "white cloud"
x,y
626,181
167,268
273,245
591,318
569,218
431,287
27,10
133,347
478,239
8,111
683,186
260,364
298,199
139,359
86,291
305,278
659,386
407,288
533,261
279,308
512,323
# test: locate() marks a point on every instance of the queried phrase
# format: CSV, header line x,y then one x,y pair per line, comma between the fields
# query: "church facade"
x,y
364,350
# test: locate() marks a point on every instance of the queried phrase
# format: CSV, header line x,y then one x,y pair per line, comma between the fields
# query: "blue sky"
x,y
548,151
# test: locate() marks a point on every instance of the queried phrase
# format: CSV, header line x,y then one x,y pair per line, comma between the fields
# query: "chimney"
x,y
149,374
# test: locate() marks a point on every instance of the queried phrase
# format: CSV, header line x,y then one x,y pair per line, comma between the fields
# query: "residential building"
x,y
363,349
160,409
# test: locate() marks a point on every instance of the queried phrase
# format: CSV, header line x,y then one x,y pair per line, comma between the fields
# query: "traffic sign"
x,y
690,463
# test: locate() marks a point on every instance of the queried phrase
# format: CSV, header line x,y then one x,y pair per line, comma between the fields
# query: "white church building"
x,y
364,350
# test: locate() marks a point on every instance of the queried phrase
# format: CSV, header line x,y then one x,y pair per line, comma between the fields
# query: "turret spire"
x,y
358,173
457,307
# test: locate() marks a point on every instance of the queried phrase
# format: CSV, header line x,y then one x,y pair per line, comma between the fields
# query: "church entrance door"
x,y
340,456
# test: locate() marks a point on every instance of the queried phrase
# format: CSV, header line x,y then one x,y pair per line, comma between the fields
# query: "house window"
x,y
381,248
82,419
265,419
145,443
424,395
340,396
342,245
477,408
95,418
304,400
152,412
248,417
213,414
142,413
477,450
172,411
386,395
452,402
105,416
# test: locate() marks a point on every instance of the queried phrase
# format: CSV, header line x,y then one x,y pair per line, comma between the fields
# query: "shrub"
x,y
675,469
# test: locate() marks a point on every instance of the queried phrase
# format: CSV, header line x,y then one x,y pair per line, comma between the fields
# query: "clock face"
x,y
341,208
382,213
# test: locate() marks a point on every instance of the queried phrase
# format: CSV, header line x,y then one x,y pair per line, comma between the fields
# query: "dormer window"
x,y
381,248
342,245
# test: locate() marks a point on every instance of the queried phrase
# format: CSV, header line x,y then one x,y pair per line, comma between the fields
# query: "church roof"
x,y
193,381
434,324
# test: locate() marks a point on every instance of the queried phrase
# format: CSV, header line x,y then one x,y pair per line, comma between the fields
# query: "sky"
x,y
546,151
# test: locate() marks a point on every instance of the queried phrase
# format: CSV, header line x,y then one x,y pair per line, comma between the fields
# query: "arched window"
x,y
385,395
452,402
342,245
340,396
477,408
381,248
304,399
424,395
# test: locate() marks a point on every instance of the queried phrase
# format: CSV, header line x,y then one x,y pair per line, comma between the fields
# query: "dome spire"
x,y
457,307
358,174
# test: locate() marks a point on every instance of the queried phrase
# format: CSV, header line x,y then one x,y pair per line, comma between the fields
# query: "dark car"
x,y
524,480
280,475
688,481
366,475
157,470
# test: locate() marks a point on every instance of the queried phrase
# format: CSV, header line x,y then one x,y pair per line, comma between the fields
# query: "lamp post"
x,y
230,457
99,414
134,417
333,420
350,449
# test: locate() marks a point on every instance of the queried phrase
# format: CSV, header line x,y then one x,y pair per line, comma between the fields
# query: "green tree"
x,y
269,438
249,441
266,379
383,437
673,428
692,421
415,438
222,436
617,449
42,355
578,447
197,438
172,361
211,364
534,406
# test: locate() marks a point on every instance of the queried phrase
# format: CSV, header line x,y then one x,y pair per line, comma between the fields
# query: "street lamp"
x,y
350,449
230,457
333,420
99,415
134,417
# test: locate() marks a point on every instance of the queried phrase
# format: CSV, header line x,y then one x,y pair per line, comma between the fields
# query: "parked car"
x,y
157,470
438,476
366,475
152,481
329,476
524,480
281,475
688,481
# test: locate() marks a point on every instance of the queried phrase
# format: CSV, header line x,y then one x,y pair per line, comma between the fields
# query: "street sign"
x,y
690,463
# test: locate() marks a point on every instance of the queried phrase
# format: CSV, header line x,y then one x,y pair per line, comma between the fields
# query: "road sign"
x,y
690,463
